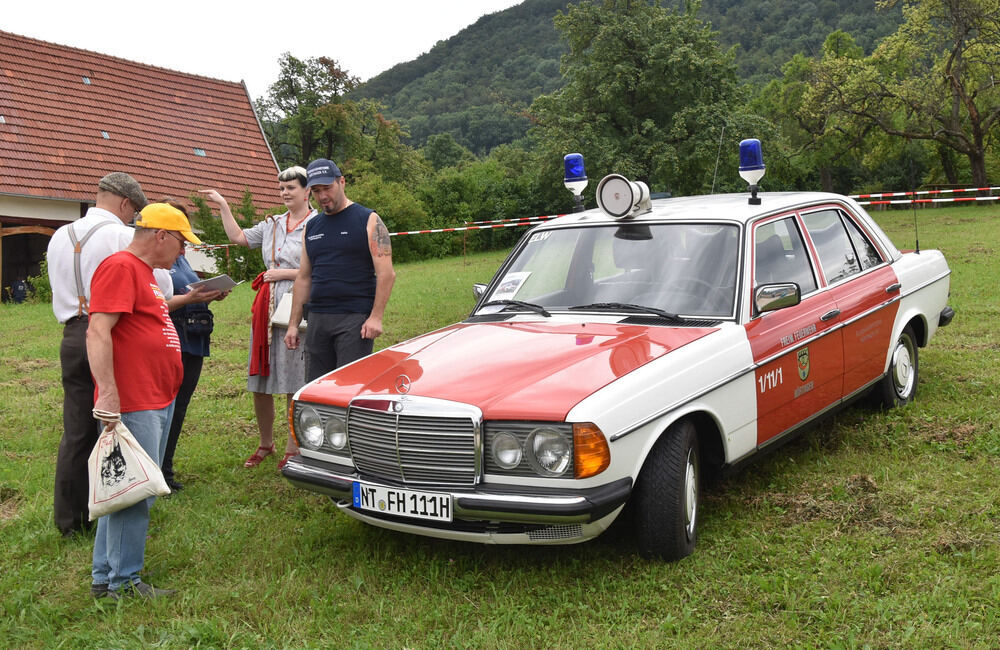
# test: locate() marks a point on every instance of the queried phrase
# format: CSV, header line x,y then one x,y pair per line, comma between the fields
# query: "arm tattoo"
x,y
380,238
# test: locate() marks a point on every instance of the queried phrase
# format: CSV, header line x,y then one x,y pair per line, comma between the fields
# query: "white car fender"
x,y
923,292
712,375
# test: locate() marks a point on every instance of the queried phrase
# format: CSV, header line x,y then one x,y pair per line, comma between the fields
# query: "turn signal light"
x,y
291,420
591,454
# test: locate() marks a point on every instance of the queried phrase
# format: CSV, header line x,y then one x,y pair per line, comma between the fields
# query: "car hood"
x,y
510,370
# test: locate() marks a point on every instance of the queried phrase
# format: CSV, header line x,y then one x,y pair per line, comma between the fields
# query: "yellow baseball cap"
x,y
162,216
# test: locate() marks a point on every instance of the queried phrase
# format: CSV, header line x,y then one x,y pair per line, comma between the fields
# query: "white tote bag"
x,y
121,472
283,312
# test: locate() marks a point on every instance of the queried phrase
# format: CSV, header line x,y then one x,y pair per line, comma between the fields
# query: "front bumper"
x,y
487,509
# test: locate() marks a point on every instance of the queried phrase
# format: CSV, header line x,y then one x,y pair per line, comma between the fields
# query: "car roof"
x,y
714,207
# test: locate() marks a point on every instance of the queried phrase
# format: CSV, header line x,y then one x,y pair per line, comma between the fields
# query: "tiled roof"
x,y
51,140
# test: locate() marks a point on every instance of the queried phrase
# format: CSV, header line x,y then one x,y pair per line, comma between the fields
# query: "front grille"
x,y
415,441
571,531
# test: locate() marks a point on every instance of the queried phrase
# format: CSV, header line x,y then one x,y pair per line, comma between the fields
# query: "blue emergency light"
x,y
751,166
573,163
575,179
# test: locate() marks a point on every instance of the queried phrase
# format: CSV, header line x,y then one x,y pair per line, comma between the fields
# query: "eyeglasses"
x,y
172,234
135,212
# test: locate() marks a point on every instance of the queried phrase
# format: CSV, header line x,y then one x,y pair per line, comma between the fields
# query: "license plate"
x,y
403,503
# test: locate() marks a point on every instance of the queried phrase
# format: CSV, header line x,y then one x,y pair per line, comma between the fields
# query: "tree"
x,y
648,94
822,148
290,111
441,150
239,262
935,79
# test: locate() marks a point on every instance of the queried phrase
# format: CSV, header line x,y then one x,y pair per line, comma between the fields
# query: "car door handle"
x,y
893,288
830,315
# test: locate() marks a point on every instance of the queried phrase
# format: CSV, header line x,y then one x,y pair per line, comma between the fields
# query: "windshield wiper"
x,y
518,303
626,306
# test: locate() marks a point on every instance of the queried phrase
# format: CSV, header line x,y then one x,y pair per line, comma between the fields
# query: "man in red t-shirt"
x,y
135,358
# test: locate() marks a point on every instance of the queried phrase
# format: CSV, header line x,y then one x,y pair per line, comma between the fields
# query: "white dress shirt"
x,y
106,241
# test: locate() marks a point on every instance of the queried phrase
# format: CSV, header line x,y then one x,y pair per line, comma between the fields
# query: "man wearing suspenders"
x,y
74,252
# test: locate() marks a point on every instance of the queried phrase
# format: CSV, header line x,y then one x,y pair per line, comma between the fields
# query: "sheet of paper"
x,y
218,283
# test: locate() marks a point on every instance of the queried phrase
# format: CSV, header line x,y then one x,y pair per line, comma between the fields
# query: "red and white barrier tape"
x,y
542,218
524,222
961,199
883,195
498,223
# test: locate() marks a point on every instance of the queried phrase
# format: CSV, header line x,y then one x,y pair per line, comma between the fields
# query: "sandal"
x,y
259,457
288,454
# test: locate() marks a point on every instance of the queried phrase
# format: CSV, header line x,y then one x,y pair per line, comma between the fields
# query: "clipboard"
x,y
218,283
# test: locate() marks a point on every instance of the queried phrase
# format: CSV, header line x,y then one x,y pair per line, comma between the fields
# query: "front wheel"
x,y
900,384
666,495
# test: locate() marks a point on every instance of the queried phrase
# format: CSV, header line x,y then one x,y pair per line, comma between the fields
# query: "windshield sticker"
x,y
510,285
539,236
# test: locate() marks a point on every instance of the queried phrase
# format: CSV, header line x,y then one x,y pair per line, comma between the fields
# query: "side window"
x,y
833,245
867,253
780,255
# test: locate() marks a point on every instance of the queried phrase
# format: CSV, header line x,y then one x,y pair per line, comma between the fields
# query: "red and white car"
x,y
617,355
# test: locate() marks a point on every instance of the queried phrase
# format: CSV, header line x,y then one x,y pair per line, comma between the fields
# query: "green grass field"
x,y
873,530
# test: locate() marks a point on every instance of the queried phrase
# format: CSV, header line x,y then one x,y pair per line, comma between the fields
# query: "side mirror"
x,y
478,290
770,297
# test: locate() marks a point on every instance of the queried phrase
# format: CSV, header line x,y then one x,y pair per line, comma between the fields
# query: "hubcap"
x,y
690,495
902,368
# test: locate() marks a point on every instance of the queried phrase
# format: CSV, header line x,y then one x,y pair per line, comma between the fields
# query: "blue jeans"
x,y
120,544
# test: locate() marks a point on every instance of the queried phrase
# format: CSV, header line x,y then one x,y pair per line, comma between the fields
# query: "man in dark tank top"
x,y
345,276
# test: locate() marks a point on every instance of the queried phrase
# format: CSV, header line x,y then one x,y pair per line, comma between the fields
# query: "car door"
x,y
797,351
864,287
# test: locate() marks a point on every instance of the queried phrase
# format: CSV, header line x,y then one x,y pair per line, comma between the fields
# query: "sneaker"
x,y
140,590
99,590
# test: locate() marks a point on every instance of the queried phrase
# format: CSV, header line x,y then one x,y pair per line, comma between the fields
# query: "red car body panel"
x,y
555,366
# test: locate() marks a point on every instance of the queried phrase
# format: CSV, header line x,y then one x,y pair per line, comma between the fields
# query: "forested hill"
x,y
767,33
477,84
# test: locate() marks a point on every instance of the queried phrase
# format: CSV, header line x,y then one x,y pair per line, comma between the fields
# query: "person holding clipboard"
x,y
194,322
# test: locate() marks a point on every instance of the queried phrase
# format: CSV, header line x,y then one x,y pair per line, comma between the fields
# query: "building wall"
x,y
44,210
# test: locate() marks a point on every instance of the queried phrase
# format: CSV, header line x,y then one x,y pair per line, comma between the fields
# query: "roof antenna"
x,y
717,155
913,204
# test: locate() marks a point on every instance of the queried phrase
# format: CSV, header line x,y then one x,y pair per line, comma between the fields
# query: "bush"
x,y
401,211
39,289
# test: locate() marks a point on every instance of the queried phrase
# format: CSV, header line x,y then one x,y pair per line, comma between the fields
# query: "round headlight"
x,y
310,430
506,451
336,432
549,452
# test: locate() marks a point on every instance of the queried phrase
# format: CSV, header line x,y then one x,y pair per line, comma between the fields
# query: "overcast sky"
x,y
242,40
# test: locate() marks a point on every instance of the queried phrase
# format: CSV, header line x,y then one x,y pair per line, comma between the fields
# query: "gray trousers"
x,y
334,340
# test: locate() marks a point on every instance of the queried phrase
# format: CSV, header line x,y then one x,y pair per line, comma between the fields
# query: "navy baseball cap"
x,y
322,172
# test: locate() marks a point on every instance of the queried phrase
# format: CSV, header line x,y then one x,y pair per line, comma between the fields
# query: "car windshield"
x,y
681,268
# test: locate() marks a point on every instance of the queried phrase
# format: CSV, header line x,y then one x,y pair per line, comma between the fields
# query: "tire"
x,y
667,494
899,385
